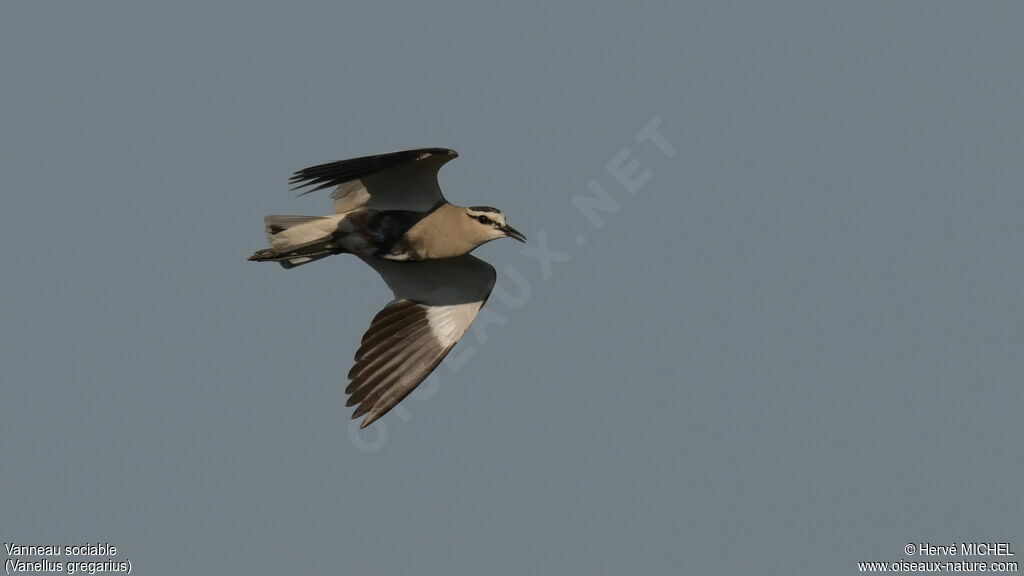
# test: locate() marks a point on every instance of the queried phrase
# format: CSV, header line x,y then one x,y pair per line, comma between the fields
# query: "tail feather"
x,y
279,223
297,240
269,255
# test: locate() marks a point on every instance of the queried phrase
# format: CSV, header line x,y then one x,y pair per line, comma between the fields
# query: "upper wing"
x,y
405,180
435,302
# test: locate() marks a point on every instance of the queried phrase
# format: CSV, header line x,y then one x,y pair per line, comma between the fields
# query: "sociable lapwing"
x,y
389,212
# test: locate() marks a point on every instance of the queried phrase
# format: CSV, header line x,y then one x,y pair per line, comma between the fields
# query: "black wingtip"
x,y
334,173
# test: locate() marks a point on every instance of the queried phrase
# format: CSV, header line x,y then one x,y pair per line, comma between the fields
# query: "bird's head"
x,y
488,224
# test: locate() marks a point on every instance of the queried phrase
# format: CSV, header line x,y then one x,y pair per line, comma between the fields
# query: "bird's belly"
x,y
358,242
354,238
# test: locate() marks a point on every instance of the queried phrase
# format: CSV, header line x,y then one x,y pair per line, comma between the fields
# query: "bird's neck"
x,y
444,233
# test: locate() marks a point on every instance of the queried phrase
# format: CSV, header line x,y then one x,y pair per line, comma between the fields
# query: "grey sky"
x,y
795,347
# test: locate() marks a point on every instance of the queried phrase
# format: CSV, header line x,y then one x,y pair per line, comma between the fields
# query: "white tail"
x,y
285,233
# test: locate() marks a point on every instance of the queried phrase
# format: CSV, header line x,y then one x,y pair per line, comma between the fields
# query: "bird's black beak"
x,y
513,233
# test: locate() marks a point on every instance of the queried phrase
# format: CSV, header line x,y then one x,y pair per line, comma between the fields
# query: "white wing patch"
x,y
435,303
350,196
449,323
411,186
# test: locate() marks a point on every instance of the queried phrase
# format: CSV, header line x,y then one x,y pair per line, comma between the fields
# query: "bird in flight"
x,y
390,213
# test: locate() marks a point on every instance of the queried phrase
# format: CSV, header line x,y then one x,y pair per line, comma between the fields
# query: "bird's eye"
x,y
483,219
